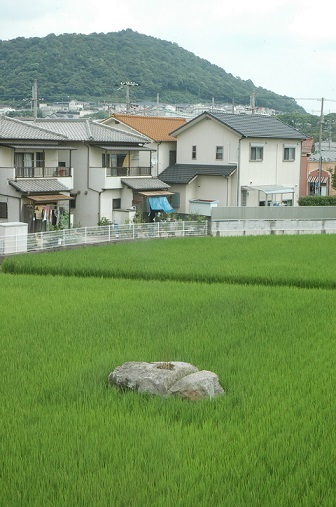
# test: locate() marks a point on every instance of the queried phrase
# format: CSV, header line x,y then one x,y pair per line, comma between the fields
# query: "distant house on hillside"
x,y
235,160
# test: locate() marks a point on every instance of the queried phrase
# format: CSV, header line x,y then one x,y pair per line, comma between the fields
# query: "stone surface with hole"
x,y
167,378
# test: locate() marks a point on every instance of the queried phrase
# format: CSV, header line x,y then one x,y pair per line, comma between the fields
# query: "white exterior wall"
x,y
206,135
7,172
213,188
272,170
162,155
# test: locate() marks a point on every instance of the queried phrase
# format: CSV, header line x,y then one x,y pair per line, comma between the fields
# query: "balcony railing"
x,y
128,171
42,172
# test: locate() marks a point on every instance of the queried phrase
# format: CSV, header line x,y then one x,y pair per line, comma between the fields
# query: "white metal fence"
x,y
100,234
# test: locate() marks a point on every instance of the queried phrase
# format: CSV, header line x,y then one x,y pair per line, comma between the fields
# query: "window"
x,y
257,153
106,160
39,159
193,152
3,210
219,152
172,157
116,203
175,200
289,153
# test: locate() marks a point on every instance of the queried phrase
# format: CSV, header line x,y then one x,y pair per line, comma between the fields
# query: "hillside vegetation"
x,y
76,66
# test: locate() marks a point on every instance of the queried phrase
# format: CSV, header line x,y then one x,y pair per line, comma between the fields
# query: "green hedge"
x,y
317,200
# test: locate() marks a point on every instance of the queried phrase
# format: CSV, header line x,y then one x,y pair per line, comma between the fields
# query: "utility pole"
x,y
127,84
34,98
252,102
320,148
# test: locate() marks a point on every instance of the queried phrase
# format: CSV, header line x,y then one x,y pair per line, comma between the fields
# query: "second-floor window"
x,y
172,157
289,153
194,152
106,160
25,164
219,152
256,153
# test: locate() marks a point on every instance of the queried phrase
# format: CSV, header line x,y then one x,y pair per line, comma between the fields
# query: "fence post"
x,y
183,229
133,230
85,235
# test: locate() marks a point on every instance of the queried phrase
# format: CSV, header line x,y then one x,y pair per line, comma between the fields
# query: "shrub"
x,y
317,200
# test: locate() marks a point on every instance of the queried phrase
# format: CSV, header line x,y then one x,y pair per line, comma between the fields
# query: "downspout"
x,y
158,159
238,174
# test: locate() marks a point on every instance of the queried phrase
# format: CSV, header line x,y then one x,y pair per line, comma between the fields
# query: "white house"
x,y
36,177
235,160
73,167
109,180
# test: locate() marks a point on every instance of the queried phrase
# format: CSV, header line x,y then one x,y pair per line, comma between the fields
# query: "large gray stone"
x,y
153,378
197,386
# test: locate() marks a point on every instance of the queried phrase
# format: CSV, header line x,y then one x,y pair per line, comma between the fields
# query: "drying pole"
x,y
320,149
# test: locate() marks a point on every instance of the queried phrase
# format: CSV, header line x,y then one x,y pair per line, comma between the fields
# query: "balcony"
x,y
128,171
42,172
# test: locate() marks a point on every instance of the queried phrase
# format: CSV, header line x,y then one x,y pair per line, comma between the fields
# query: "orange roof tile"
x,y
155,127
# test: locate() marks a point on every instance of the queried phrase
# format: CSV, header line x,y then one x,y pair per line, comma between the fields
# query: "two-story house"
x,y
236,160
36,175
110,181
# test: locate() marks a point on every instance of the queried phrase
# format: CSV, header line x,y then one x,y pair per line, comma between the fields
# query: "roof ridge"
x,y
32,125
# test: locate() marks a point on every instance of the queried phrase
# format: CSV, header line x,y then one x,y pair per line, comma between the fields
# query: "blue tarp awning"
x,y
160,204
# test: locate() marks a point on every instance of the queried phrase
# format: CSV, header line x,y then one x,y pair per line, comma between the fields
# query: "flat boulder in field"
x,y
197,386
152,378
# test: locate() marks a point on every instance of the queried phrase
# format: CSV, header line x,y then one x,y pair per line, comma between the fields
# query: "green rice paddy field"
x,y
260,312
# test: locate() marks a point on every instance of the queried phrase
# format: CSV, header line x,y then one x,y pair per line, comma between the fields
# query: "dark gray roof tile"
x,y
184,173
11,128
145,183
38,185
88,130
259,126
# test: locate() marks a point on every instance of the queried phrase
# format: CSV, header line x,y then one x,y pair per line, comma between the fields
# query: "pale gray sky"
x,y
286,46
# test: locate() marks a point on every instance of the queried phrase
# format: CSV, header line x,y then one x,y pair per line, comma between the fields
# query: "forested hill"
x,y
88,67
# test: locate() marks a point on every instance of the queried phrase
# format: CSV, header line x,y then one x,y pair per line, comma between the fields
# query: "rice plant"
x,y
67,438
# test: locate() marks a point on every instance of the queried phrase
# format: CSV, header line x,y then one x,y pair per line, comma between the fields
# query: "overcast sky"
x,y
286,46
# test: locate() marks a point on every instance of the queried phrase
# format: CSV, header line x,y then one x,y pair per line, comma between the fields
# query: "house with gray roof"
x,y
109,179
235,160
36,178
77,168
